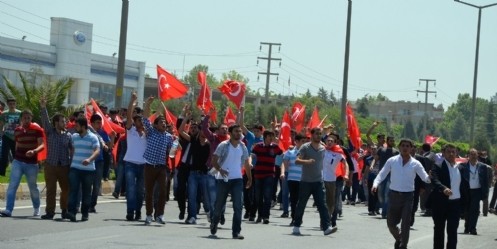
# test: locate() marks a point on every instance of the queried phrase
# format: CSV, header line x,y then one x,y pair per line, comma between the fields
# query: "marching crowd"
x,y
206,164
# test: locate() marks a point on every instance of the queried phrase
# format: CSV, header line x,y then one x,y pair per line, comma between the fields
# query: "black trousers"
x,y
449,214
8,145
182,177
472,209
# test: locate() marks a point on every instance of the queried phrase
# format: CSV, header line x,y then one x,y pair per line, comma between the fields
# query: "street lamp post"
x,y
475,76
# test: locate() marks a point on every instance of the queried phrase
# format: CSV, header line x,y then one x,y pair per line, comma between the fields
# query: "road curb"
x,y
23,190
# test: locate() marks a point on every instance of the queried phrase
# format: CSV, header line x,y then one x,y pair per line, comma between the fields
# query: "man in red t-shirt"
x,y
29,142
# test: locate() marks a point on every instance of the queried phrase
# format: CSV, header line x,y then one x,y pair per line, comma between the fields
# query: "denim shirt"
x,y
223,148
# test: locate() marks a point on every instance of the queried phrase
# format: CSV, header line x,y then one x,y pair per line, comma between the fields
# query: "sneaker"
x,y
266,221
138,216
84,217
192,221
129,217
47,216
284,215
213,228
296,231
71,217
160,219
115,194
238,236
330,230
5,213
148,220
36,212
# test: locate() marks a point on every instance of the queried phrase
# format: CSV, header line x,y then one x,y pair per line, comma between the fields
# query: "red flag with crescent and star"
x,y
204,99
298,116
431,140
234,91
107,125
168,86
315,121
230,117
353,128
285,139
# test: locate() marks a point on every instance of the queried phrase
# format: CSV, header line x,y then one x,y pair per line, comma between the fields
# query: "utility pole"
x,y
122,55
346,71
268,73
426,92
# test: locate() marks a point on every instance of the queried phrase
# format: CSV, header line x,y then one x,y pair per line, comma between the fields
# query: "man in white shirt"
x,y
403,169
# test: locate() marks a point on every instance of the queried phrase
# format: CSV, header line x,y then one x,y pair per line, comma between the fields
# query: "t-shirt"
x,y
106,139
233,162
27,139
312,172
265,155
330,162
294,170
10,122
83,149
136,146
384,154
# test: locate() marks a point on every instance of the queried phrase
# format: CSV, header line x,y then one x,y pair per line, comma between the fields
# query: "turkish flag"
x,y
107,125
202,78
353,128
429,139
169,87
315,121
285,139
204,99
230,117
213,117
234,91
298,116
171,119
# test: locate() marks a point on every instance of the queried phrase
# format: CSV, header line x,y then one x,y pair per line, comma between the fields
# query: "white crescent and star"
x,y
234,94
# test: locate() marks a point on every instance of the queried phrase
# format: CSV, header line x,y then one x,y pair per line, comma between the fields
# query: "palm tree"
x,y
28,96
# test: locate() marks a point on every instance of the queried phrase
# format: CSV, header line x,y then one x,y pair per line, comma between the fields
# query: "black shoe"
x,y
63,215
222,220
181,215
92,210
115,194
213,228
473,232
252,218
266,221
372,213
246,215
47,216
292,223
284,215
138,216
129,217
71,217
84,217
466,231
259,219
238,236
396,245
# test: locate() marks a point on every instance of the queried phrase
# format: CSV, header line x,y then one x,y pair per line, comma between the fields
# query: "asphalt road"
x,y
109,229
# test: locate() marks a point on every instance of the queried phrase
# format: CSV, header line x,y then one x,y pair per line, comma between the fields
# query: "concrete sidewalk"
x,y
23,190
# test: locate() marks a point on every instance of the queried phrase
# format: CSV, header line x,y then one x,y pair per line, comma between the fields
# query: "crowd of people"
x,y
204,164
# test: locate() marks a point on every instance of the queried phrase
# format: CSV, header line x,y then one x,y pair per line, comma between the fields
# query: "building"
x,y
69,55
399,112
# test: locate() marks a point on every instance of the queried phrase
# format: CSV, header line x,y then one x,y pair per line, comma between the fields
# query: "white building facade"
x,y
69,55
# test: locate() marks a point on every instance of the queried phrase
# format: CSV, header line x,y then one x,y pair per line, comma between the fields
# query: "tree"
x,y
459,131
308,94
333,98
362,109
490,123
28,96
192,79
408,130
323,95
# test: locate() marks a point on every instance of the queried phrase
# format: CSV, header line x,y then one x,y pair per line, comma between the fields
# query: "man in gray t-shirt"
x,y
311,156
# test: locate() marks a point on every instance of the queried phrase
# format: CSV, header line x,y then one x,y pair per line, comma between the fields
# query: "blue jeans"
x,y
317,190
134,187
235,188
210,182
383,190
263,195
84,179
196,182
97,182
31,171
285,194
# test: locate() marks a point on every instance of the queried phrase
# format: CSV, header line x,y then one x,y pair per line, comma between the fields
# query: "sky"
x,y
394,43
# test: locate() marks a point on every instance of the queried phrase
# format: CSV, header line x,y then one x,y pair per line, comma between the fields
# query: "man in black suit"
x,y
445,200
474,188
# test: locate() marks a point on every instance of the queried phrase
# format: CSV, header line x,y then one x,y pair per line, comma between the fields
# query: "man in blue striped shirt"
x,y
82,172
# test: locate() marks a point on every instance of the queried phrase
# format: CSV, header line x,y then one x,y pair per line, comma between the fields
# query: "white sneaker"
x,y
160,220
192,220
330,230
36,212
148,220
296,231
